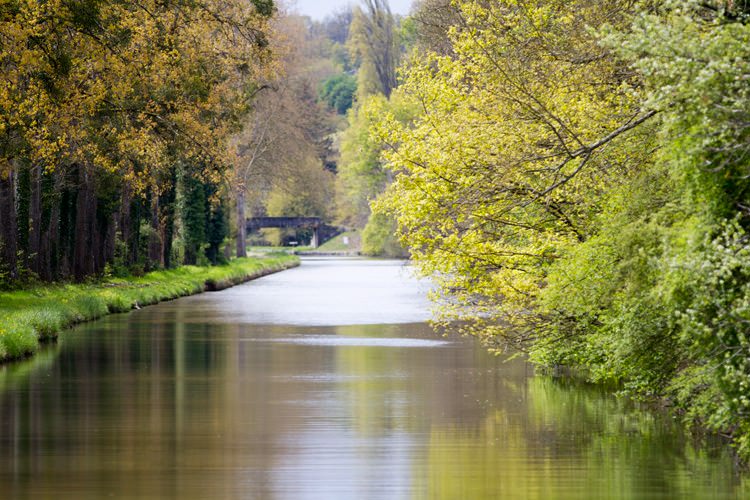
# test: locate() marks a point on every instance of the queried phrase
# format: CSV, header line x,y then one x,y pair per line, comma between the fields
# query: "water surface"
x,y
324,382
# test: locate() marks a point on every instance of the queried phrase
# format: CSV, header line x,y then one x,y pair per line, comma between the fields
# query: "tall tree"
x,y
526,124
373,41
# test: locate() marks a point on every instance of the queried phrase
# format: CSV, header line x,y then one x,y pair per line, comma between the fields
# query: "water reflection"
x,y
556,446
322,291
335,340
161,405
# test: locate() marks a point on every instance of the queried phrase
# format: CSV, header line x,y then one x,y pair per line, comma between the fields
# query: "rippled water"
x,y
323,382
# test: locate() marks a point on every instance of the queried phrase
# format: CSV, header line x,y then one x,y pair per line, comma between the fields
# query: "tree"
x,y
336,26
100,100
283,146
433,20
373,42
577,186
338,92
362,176
525,127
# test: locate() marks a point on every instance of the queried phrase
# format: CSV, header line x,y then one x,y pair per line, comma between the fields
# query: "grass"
x,y
337,244
34,315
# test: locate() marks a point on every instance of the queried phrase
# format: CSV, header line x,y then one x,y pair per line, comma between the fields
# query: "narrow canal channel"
x,y
324,382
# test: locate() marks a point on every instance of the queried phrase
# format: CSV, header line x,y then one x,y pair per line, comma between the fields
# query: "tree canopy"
x,y
575,182
113,114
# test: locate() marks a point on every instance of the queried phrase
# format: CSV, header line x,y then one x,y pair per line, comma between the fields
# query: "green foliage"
x,y
713,327
700,90
338,92
578,187
265,7
361,174
379,237
695,68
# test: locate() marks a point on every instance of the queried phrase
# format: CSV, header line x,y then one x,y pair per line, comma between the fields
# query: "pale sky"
x,y
318,9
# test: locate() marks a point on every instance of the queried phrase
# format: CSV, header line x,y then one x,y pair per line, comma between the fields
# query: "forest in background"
x,y
573,175
136,136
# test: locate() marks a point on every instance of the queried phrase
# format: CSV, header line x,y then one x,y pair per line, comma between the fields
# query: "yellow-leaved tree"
x,y
525,125
106,107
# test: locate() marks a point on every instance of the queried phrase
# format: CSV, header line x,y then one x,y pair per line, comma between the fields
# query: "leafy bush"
x,y
379,237
338,92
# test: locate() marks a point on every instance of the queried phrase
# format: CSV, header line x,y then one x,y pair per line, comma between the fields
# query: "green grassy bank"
x,y
36,314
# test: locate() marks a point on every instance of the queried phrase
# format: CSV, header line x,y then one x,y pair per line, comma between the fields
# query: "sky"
x,y
318,9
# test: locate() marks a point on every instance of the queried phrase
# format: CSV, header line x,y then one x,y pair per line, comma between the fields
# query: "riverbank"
x,y
39,314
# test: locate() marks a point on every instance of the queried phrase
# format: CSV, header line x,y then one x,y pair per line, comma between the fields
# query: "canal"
x,y
324,382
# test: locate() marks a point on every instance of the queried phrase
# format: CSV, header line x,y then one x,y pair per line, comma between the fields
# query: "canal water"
x,y
324,382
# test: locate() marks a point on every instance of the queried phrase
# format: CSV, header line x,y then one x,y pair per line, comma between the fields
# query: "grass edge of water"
x,y
32,316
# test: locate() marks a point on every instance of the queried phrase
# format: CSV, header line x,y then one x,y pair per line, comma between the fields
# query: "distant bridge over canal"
x,y
314,223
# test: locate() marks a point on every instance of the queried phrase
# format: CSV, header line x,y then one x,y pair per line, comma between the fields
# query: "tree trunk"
x,y
35,219
79,232
83,252
124,220
46,248
134,242
51,239
69,181
109,241
167,206
155,251
8,221
241,223
22,182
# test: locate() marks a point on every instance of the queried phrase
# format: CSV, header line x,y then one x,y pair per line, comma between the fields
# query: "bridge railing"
x,y
282,222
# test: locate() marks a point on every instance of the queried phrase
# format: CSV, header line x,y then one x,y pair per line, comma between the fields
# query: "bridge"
x,y
314,223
